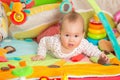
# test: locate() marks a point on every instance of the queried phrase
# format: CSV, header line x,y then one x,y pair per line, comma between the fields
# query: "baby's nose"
x,y
71,39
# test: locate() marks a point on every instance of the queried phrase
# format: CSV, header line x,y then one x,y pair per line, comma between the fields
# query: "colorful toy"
x,y
93,41
18,11
28,3
105,45
17,16
65,6
96,30
49,14
107,27
95,36
96,26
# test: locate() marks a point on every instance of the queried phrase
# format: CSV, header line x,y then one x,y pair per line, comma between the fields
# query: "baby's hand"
x,y
37,58
103,59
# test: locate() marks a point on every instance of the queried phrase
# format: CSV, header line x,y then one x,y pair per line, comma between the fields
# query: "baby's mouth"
x,y
70,45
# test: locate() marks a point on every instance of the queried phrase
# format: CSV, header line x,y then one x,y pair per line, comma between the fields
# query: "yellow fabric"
x,y
37,29
3,52
43,8
4,25
75,70
33,32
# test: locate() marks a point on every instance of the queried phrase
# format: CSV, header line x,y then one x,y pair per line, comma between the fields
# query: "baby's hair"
x,y
71,17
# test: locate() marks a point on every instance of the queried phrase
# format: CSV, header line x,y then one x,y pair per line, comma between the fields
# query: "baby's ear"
x,y
59,32
83,34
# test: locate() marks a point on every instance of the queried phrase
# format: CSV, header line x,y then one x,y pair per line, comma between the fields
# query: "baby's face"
x,y
71,34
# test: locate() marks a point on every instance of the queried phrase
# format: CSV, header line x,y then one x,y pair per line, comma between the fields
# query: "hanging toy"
x,y
18,12
65,6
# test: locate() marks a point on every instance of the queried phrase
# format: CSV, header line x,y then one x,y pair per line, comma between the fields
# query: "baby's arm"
x,y
103,59
92,50
42,49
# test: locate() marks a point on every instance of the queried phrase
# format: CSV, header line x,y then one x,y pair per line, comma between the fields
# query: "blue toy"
x,y
65,6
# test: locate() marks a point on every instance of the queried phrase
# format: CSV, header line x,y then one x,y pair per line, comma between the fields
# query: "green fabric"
x,y
24,71
49,60
42,2
94,59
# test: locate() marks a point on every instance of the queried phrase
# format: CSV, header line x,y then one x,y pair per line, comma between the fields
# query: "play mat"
x,y
24,22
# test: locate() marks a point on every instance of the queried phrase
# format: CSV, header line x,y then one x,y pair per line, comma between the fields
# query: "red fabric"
x,y
97,78
77,57
93,78
52,30
3,59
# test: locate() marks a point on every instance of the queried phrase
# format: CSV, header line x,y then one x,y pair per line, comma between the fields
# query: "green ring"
x,y
96,36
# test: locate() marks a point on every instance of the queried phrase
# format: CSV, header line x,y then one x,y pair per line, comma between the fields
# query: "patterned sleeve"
x,y
90,50
42,49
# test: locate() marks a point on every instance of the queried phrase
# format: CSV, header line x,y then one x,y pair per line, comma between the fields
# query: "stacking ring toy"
x,y
65,6
100,31
95,25
94,41
96,36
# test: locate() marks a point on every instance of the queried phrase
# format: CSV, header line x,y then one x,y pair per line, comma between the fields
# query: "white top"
x,y
53,44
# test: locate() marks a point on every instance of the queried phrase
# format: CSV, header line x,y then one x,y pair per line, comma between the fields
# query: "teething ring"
x,y
18,18
96,31
96,36
65,6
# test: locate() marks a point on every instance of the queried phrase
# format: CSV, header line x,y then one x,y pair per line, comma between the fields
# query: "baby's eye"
x,y
76,35
66,35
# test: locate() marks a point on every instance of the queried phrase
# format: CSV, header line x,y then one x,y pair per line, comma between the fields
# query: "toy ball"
x,y
117,17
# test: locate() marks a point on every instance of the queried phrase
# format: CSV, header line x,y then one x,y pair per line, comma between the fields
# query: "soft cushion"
x,y
38,20
52,30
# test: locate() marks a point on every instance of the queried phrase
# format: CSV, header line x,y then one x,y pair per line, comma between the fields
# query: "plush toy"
x,y
66,6
105,45
18,11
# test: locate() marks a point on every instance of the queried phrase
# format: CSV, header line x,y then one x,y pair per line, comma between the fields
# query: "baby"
x,y
69,42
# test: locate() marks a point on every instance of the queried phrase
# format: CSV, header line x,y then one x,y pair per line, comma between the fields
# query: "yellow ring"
x,y
93,31
18,17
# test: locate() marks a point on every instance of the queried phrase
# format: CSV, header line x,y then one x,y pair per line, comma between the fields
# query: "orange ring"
x,y
95,31
96,26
